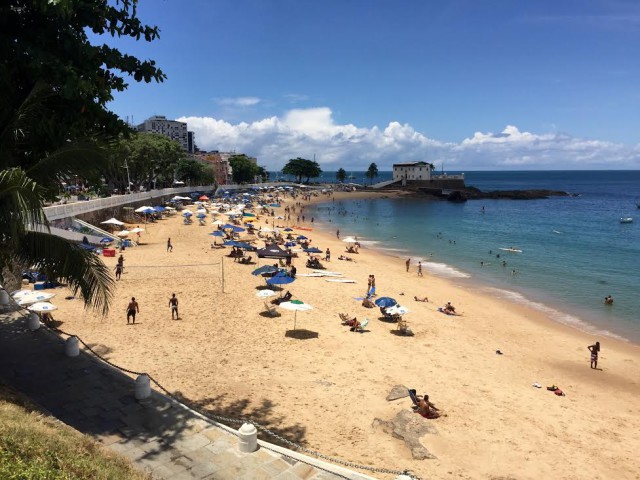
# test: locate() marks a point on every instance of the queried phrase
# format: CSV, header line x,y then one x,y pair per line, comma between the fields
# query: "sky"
x,y
464,84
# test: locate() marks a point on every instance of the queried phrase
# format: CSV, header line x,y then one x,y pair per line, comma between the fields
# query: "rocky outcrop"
x,y
408,427
472,193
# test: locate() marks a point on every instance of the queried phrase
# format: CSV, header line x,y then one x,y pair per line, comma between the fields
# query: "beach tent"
x,y
272,251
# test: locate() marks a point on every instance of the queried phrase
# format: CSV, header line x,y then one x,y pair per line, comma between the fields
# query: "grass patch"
x,y
34,446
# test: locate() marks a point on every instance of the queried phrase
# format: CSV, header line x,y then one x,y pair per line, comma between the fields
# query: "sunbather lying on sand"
x,y
426,408
347,319
344,257
425,299
448,309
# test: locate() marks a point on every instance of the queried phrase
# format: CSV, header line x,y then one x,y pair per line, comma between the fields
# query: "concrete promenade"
x,y
157,434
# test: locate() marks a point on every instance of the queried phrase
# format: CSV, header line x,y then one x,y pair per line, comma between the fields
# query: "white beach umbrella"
x,y
42,307
296,306
397,310
142,209
112,221
123,233
218,222
265,293
169,208
35,297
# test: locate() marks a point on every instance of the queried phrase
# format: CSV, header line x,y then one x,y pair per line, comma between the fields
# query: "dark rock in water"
x,y
472,193
409,427
398,391
457,196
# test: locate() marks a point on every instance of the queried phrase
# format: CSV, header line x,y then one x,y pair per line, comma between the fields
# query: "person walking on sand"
x,y
419,268
594,349
327,255
407,263
338,233
118,271
169,246
132,309
173,303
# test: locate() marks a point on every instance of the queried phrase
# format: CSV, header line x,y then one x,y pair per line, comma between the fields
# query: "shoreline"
x,y
324,386
541,305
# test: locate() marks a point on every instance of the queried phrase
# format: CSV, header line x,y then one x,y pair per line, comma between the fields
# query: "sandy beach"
x,y
324,385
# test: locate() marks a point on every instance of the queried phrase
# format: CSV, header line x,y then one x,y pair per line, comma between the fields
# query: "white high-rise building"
x,y
169,128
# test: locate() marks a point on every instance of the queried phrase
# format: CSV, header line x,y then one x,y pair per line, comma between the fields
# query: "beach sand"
x,y
323,385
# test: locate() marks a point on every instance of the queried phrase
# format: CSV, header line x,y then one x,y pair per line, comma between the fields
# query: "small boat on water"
x,y
626,220
511,249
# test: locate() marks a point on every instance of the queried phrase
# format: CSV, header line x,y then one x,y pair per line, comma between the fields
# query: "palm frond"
x,y
20,205
82,270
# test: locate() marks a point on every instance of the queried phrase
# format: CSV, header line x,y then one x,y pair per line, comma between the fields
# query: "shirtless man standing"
x,y
173,303
132,309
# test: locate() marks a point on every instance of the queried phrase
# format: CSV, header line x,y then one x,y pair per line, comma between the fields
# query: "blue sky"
x,y
475,84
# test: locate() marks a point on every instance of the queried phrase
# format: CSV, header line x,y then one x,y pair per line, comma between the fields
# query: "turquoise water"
x,y
574,249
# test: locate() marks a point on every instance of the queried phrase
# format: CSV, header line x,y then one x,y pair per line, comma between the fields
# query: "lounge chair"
x,y
271,311
346,320
359,326
403,326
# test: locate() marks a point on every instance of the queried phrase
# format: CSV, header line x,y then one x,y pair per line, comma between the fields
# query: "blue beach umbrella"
x,y
245,245
231,243
159,209
274,205
313,250
217,233
187,214
288,229
106,240
385,302
201,215
301,237
264,269
290,244
280,278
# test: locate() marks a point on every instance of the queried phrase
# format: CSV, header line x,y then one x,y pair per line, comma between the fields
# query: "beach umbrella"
x,y
261,270
217,222
290,244
112,221
313,250
203,197
385,302
42,307
217,233
280,278
231,243
266,229
274,204
245,245
234,228
296,306
201,215
397,310
143,209
265,293
149,210
34,297
301,237
187,214
160,208
288,229
106,240
123,233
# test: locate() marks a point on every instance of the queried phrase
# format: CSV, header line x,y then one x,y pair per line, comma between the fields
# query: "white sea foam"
x,y
552,313
368,242
444,270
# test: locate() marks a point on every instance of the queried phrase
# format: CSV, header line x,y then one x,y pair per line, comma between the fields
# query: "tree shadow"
x,y
251,410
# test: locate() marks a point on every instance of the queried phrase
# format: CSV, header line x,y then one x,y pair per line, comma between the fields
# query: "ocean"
x,y
575,251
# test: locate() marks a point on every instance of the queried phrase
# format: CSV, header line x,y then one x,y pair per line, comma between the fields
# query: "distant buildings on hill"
x,y
178,131
173,129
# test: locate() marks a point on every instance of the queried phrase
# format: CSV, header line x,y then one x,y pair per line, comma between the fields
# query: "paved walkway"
x,y
158,435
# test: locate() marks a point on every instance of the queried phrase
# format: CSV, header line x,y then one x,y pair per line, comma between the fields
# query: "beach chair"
x,y
402,325
414,398
271,311
285,298
360,326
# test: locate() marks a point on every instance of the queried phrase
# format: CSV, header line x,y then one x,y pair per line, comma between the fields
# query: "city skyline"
x,y
476,86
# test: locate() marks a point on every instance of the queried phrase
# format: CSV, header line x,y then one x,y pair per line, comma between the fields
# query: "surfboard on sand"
x,y
339,280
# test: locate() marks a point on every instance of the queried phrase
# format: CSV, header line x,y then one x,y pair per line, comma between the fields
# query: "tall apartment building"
x,y
169,128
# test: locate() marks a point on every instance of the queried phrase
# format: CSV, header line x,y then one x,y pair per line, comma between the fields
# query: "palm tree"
x,y
25,240
372,172
341,175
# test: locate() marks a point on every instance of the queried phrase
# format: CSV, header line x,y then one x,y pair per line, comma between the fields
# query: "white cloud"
x,y
308,132
238,101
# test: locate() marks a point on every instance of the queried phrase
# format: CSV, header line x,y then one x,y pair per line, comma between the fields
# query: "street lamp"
x,y
126,165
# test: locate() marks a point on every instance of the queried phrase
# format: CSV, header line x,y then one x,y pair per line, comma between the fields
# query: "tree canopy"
x,y
301,167
194,172
341,175
243,170
372,172
60,79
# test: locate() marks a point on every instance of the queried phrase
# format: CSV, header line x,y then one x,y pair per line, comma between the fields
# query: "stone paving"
x,y
159,436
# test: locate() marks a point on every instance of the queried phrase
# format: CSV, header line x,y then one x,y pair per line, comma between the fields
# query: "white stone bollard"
x,y
248,438
33,321
4,298
143,387
72,347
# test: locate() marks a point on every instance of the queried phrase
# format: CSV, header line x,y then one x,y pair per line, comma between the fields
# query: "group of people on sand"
x,y
133,308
